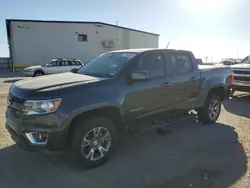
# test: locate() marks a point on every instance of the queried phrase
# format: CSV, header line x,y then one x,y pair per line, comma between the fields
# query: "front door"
x,y
148,97
52,67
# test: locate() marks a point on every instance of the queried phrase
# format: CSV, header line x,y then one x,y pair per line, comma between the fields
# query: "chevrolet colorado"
x,y
84,111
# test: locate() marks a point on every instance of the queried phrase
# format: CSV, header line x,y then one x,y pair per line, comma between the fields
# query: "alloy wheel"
x,y
96,143
214,109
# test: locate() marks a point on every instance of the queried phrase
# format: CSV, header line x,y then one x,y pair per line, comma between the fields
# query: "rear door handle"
x,y
194,78
165,84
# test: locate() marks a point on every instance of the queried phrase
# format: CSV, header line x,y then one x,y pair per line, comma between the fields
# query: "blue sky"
x,y
214,28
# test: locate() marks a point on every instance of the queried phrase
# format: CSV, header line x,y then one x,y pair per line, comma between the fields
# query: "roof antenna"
x,y
117,23
168,44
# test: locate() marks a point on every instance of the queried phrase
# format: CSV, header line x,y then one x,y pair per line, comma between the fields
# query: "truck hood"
x,y
239,66
34,67
56,81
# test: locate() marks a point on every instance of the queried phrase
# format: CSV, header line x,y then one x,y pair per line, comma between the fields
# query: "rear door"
x,y
185,80
67,66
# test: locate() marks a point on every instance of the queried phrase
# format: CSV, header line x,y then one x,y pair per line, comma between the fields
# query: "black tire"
x,y
204,114
38,73
82,128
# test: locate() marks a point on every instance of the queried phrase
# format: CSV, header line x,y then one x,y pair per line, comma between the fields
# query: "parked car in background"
x,y
84,112
242,75
230,61
53,67
199,61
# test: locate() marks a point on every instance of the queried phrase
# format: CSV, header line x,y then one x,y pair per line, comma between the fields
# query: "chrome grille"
x,y
16,104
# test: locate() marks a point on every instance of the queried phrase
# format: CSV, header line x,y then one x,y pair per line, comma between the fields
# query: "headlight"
x,y
32,107
28,70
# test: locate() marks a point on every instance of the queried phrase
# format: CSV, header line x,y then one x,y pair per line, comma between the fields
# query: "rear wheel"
x,y
211,110
93,141
38,73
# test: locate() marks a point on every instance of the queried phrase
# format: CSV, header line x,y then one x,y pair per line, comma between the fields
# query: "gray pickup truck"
x,y
242,75
86,110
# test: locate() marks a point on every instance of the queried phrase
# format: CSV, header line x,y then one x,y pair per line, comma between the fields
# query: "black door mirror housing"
x,y
140,75
74,70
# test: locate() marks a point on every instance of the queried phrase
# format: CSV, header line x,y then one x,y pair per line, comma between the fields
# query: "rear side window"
x,y
78,63
153,63
181,64
68,63
62,63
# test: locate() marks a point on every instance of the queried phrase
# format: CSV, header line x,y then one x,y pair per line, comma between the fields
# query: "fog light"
x,y
37,138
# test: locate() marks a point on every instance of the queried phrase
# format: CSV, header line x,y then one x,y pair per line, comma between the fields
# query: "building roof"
x,y
77,22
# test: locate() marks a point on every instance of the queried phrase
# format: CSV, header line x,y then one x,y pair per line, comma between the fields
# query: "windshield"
x,y
246,60
107,65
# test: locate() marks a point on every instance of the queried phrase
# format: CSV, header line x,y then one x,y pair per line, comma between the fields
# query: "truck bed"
x,y
212,67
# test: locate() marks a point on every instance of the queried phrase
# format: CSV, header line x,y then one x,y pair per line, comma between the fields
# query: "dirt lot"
x,y
189,155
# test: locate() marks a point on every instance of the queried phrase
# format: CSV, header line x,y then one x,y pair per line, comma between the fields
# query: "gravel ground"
x,y
189,155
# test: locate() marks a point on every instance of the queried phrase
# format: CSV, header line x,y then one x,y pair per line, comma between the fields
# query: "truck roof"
x,y
65,59
140,50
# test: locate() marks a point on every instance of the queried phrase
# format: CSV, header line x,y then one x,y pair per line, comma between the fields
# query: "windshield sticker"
x,y
129,55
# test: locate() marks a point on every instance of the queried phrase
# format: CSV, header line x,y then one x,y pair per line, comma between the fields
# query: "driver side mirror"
x,y
47,65
140,75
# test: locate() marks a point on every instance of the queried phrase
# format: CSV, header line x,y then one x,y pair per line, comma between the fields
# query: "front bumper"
x,y
241,86
28,73
50,124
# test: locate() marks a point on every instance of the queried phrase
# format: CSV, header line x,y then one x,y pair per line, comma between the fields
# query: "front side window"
x,y
53,64
107,65
153,63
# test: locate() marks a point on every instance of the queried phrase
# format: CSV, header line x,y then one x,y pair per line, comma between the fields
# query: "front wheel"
x,y
211,110
38,73
93,141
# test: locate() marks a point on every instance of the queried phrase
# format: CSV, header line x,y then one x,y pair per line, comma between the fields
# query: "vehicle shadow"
x,y
190,153
11,81
10,74
238,105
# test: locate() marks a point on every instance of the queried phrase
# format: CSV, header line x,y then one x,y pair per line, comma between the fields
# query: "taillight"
x,y
232,80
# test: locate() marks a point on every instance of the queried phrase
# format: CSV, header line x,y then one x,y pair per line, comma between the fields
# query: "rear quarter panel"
x,y
213,77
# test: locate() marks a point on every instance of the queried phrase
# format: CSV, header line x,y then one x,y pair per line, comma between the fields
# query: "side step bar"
x,y
158,124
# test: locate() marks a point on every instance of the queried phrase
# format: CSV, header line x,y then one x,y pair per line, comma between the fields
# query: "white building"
x,y
34,42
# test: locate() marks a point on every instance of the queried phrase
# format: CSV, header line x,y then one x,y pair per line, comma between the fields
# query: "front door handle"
x,y
165,84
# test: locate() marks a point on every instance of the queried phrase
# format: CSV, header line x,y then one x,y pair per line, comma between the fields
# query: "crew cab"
x,y
84,112
242,75
54,66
